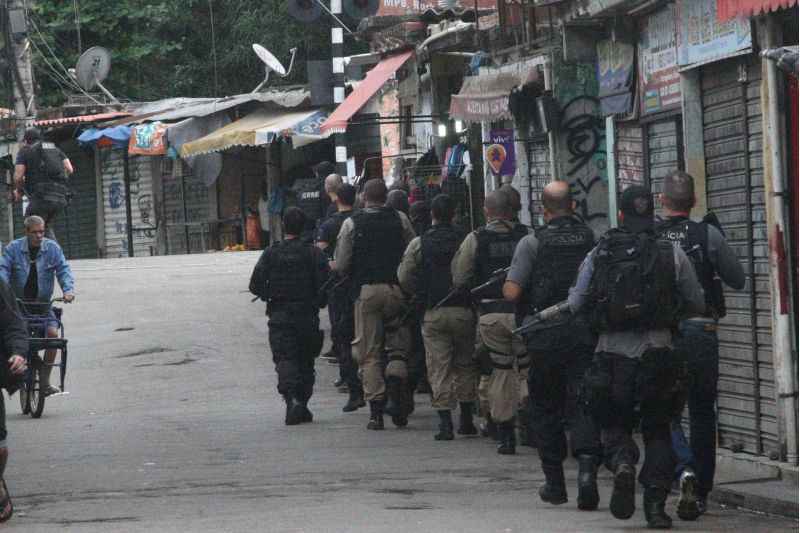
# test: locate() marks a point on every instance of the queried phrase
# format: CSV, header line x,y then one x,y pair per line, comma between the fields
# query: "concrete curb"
x,y
754,502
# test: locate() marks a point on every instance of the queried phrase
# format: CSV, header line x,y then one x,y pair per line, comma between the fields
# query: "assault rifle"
x,y
497,277
542,317
333,282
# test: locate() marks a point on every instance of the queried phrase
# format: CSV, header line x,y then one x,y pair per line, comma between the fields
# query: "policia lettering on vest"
x,y
448,331
482,253
637,288
543,269
288,276
368,250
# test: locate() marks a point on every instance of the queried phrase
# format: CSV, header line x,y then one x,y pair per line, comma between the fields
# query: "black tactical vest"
x,y
563,244
439,245
633,285
309,197
291,274
44,175
378,246
495,251
693,238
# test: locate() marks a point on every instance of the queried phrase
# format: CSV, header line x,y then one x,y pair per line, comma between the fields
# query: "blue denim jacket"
x,y
50,263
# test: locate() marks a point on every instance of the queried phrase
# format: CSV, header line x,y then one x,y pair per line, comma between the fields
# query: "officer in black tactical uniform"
x,y
41,172
714,261
501,354
635,288
543,269
369,249
340,305
288,276
310,197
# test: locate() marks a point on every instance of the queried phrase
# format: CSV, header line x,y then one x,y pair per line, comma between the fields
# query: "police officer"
x,y
41,172
449,331
634,285
482,253
340,306
288,277
543,269
713,259
368,249
310,197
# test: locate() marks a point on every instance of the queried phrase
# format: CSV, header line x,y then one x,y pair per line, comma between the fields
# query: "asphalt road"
x,y
173,424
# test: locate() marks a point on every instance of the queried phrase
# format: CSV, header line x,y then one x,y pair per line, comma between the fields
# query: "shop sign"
x,y
500,154
703,38
615,75
660,82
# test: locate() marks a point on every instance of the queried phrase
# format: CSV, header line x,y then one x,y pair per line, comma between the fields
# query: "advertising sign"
x,y
702,38
660,83
615,75
500,154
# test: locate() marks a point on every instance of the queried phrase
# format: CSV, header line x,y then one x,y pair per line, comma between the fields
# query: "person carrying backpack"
x,y
636,288
41,172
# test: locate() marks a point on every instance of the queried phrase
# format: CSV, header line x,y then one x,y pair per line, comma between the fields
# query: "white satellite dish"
x,y
271,64
92,68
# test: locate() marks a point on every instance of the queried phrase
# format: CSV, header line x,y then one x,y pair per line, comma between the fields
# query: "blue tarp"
x,y
118,135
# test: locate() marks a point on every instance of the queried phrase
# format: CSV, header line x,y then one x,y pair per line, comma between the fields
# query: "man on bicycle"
x,y
30,266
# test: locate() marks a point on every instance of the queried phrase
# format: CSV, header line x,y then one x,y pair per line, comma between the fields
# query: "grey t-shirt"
x,y
524,260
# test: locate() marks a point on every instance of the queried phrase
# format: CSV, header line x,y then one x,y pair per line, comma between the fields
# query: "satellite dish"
x,y
305,10
359,9
271,64
269,60
92,68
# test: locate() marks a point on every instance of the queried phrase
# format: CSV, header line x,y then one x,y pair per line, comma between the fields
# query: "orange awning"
x,y
380,74
729,9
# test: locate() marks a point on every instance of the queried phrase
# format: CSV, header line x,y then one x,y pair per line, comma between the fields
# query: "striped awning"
x,y
729,9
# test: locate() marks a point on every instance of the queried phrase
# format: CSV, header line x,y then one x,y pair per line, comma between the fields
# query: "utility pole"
x,y
19,56
337,53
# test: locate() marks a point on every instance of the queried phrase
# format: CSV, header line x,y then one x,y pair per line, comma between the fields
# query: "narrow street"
x,y
173,424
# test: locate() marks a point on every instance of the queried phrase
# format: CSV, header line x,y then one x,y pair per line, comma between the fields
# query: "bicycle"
x,y
39,316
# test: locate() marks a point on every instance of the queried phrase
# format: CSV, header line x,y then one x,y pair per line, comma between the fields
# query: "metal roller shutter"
x,y
76,227
630,155
538,176
664,153
175,185
733,150
115,218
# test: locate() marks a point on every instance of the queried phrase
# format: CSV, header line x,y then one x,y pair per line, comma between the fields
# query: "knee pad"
x,y
397,368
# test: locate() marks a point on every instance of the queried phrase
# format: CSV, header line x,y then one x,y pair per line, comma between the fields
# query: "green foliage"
x,y
164,48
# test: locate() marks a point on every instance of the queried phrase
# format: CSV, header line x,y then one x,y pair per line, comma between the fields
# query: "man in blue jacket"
x,y
30,265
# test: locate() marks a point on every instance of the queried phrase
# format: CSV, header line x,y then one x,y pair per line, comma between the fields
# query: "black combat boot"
x,y
294,411
306,415
397,404
507,444
375,415
355,401
588,498
466,426
654,500
554,490
445,425
623,498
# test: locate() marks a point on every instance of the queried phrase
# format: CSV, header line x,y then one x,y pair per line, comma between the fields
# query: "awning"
x,y
484,98
118,136
81,119
337,122
257,128
729,9
303,127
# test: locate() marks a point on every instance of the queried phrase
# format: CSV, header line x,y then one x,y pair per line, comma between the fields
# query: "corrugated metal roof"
x,y
82,119
181,108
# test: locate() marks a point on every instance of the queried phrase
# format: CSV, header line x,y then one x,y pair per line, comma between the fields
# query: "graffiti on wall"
x,y
142,212
582,143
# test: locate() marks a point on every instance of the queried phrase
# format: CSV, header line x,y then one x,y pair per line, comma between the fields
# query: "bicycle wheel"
x,y
24,398
37,393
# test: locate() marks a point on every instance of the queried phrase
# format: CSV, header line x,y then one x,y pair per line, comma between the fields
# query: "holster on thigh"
x,y
396,367
594,395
